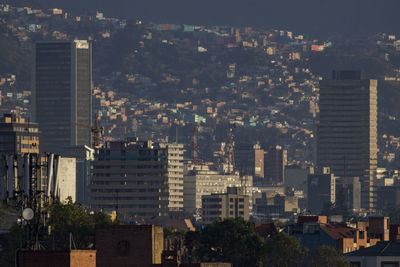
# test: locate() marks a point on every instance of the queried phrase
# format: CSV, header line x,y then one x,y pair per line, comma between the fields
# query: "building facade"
x,y
175,176
321,190
232,204
18,136
137,178
249,160
202,181
275,162
62,93
347,130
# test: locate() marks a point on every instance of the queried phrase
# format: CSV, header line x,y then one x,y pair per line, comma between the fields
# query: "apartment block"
x,y
232,204
175,176
138,178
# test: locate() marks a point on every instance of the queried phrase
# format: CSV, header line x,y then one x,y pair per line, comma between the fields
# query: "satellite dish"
x,y
28,214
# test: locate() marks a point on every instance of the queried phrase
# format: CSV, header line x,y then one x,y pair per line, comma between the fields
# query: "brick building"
x,y
45,258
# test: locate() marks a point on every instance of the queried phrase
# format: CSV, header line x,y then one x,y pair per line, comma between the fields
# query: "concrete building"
x,y
275,162
175,176
321,190
202,181
347,130
18,136
84,156
66,178
249,160
138,178
232,204
62,93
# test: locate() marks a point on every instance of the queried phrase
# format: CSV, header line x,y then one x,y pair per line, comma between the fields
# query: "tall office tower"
x,y
249,160
18,136
347,130
62,93
275,162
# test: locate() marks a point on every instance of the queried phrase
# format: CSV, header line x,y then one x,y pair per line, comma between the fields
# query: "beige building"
x,y
347,130
200,181
175,176
137,178
232,204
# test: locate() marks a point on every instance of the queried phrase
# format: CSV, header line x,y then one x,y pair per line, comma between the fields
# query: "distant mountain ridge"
x,y
322,17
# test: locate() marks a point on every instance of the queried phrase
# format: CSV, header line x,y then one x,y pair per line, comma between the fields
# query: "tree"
x,y
283,250
230,240
327,256
72,219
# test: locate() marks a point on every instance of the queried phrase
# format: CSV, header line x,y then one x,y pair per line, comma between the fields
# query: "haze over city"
x,y
199,133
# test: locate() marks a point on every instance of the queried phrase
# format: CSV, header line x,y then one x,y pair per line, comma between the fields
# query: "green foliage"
x,y
328,257
72,218
231,240
283,251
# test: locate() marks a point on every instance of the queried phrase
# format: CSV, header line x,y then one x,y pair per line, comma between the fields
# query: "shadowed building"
x,y
249,160
347,130
275,162
62,93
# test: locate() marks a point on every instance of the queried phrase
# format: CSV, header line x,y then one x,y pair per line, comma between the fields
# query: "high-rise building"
x,y
62,93
139,178
249,160
175,176
18,136
347,130
275,162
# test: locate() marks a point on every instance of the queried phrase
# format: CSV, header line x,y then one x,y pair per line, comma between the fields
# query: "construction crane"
x,y
96,130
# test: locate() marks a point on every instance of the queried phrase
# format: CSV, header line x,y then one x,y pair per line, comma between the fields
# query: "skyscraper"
x,y
347,130
62,90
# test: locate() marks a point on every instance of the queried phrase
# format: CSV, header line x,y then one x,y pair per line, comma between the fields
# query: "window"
x,y
390,264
